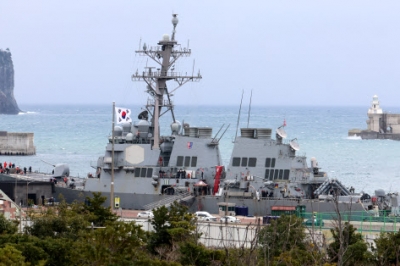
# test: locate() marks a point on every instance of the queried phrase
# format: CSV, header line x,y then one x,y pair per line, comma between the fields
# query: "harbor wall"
x,y
368,134
12,143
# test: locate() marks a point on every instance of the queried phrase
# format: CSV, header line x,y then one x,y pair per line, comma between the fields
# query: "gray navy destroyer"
x,y
143,169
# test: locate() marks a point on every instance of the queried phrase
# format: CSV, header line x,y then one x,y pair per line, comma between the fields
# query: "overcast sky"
x,y
287,52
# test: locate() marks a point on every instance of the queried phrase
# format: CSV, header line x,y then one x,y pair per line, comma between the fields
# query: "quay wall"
x,y
12,143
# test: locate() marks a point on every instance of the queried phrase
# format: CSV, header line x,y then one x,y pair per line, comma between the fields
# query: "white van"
x,y
205,216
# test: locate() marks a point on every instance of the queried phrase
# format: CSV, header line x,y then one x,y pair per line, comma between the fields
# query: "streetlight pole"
x,y
112,161
15,191
27,184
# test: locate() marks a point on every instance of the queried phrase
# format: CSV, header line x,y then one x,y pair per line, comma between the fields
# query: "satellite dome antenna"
x,y
294,145
175,21
280,134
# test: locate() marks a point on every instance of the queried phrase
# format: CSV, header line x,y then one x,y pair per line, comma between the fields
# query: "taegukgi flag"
x,y
122,114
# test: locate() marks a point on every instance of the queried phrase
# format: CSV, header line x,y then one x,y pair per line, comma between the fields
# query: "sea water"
x,y
77,135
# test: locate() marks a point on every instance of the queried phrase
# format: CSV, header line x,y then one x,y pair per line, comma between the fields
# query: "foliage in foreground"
x,y
66,235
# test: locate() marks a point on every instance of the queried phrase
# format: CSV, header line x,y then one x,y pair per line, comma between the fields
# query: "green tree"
x,y
118,243
387,251
172,227
354,248
282,235
194,254
7,226
182,224
59,251
30,247
9,255
60,222
299,257
99,215
160,236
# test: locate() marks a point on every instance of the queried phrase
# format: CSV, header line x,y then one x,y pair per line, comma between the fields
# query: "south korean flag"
x,y
123,115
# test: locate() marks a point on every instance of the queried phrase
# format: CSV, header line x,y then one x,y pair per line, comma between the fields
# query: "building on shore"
x,y
381,125
12,143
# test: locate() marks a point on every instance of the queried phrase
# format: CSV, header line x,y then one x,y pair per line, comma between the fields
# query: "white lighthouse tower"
x,y
375,109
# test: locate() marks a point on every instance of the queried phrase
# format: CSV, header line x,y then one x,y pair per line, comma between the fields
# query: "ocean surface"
x,y
77,135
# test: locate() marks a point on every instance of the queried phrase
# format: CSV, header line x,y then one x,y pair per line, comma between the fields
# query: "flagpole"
x,y
112,160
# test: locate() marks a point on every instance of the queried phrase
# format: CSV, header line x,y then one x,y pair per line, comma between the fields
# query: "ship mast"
x,y
165,56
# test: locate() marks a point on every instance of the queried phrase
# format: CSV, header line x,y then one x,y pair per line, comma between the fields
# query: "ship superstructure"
x,y
147,163
268,167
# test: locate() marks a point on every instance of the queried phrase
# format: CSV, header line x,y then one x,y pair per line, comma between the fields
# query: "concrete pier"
x,y
12,143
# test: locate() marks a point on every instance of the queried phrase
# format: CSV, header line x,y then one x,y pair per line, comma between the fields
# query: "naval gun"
x,y
60,170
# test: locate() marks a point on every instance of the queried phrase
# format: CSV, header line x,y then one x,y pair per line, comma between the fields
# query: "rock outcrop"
x,y
8,105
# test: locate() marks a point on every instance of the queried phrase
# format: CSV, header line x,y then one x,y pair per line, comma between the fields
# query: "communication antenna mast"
x,y
248,118
240,108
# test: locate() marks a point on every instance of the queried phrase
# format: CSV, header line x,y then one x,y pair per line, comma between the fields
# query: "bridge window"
x,y
266,176
244,161
281,174
286,174
276,174
270,162
187,161
271,174
179,161
137,172
252,162
149,172
143,172
194,161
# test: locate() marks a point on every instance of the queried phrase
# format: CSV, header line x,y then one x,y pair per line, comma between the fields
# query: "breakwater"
x,y
12,143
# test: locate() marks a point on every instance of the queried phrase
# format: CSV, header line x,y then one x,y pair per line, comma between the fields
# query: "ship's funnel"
x,y
314,165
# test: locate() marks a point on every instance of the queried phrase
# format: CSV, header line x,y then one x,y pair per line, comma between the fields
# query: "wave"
x,y
354,137
27,113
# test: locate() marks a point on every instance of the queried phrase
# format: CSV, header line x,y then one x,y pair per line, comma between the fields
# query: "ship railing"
x,y
382,220
311,180
165,75
165,103
286,199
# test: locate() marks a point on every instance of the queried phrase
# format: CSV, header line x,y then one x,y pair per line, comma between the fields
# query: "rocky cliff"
x,y
8,105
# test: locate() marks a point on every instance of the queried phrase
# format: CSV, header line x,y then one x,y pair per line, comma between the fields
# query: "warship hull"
x,y
262,207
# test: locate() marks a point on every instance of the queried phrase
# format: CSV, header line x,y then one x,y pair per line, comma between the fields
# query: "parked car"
x,y
229,219
314,221
145,214
205,216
